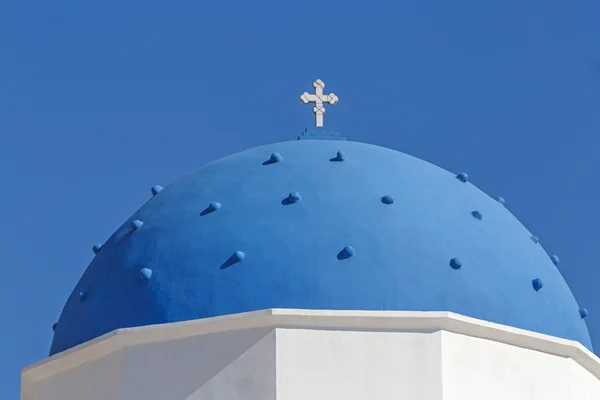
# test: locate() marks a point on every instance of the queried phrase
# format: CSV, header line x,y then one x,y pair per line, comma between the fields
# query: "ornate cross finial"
x,y
319,99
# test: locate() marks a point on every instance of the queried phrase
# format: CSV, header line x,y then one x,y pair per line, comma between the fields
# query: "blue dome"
x,y
319,224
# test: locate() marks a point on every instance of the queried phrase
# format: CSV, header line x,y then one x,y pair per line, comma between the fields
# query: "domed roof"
x,y
319,224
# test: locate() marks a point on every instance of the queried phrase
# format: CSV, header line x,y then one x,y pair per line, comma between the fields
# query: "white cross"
x,y
319,99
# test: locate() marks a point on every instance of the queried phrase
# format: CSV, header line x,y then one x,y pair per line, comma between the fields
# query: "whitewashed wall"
x,y
320,355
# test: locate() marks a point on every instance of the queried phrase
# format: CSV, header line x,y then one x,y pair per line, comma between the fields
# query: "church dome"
x,y
320,224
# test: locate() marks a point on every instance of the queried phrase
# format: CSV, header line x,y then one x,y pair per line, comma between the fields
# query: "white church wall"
x,y
219,366
582,384
317,364
320,355
96,379
440,365
475,368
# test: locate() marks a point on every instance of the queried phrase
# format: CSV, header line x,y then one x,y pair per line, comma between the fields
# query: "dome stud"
x,y
212,207
136,225
477,215
535,239
340,156
583,313
274,158
235,258
537,284
500,200
54,325
463,177
82,296
145,274
346,252
293,197
96,249
387,199
156,189
555,260
455,263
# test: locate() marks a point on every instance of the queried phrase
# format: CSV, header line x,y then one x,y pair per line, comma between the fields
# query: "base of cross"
x,y
319,133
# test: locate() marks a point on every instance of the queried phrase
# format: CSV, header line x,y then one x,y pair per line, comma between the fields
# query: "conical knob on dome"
x,y
156,189
145,274
136,224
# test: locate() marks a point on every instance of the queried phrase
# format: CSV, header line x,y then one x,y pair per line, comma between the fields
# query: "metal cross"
x,y
319,99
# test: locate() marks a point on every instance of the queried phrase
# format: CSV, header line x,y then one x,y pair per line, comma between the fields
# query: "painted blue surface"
x,y
308,232
320,133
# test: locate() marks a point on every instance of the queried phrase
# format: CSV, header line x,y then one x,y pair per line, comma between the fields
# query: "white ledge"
x,y
400,321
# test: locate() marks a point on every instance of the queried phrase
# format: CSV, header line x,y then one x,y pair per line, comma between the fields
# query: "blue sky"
x,y
99,101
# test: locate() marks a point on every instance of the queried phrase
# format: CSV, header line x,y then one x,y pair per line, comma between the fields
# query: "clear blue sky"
x,y
101,100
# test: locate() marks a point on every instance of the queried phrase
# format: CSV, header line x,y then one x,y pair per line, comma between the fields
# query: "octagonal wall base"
x,y
320,355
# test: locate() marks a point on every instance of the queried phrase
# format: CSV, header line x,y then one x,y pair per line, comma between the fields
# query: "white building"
x,y
320,269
